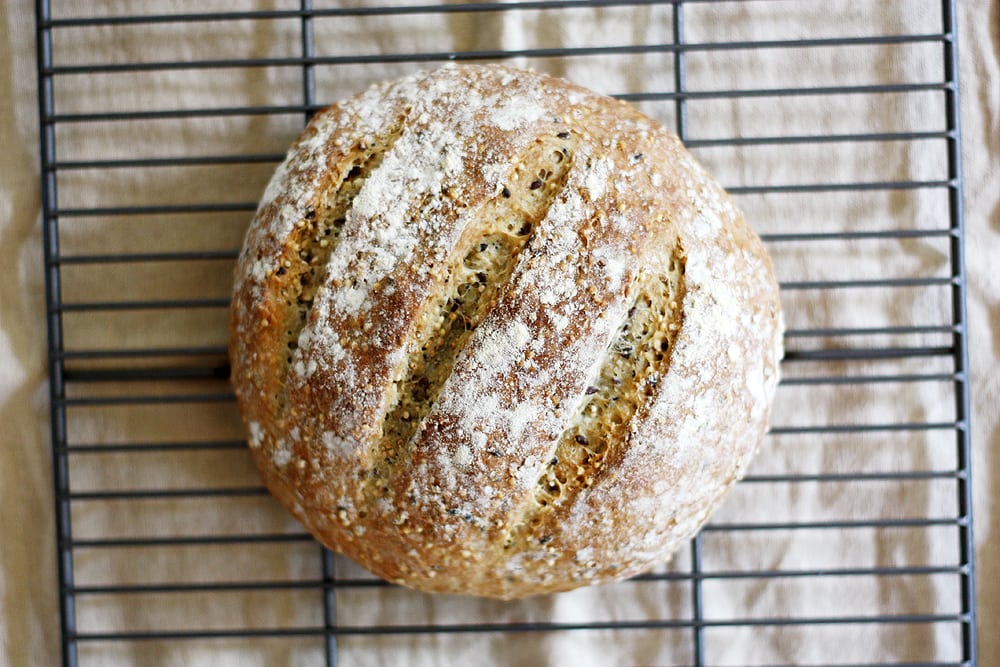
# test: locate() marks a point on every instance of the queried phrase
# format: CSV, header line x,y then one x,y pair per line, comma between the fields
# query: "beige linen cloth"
x,y
29,630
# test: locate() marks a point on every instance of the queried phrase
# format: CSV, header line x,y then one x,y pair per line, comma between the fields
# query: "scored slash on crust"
x,y
599,431
315,238
482,264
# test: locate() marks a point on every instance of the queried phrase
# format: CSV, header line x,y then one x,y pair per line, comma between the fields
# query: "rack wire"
x,y
129,411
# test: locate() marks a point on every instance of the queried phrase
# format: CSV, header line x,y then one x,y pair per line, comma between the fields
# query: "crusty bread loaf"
x,y
494,333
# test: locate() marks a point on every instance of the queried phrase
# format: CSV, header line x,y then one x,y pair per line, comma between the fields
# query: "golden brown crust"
x,y
493,333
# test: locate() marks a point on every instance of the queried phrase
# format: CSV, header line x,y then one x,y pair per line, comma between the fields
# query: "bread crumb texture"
x,y
496,334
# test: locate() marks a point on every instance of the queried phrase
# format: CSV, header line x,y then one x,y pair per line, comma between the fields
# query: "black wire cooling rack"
x,y
161,520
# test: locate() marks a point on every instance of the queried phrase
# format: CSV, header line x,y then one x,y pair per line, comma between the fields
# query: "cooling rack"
x,y
158,131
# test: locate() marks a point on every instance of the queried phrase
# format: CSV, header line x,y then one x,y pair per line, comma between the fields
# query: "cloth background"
x,y
29,631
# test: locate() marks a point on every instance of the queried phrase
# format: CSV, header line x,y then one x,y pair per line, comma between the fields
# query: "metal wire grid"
x,y
192,375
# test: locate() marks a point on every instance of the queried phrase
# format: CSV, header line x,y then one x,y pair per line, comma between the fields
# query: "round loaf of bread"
x,y
494,333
